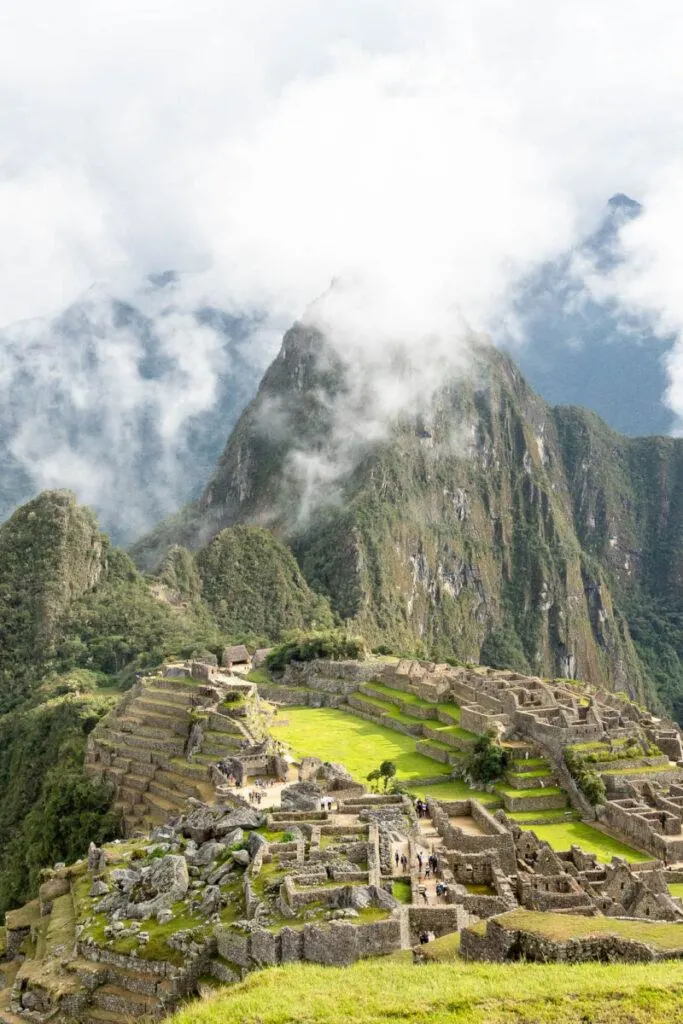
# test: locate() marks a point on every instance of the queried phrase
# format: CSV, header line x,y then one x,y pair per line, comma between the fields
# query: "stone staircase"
x,y
529,783
141,749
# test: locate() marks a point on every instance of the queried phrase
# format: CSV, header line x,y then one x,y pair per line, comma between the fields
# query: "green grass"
x,y
676,889
662,935
444,950
338,736
402,891
393,991
526,817
541,773
455,789
535,762
564,834
541,791
258,675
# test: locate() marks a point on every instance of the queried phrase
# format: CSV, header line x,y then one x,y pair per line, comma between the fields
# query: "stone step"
x,y
528,780
151,705
138,981
169,792
93,1015
163,805
518,801
173,687
187,768
176,781
137,719
172,730
130,797
132,741
116,999
221,723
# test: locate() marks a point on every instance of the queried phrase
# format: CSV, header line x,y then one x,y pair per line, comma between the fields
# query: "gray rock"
x,y
99,888
211,903
242,817
200,824
206,854
164,916
219,874
241,857
302,796
125,878
163,883
234,838
256,841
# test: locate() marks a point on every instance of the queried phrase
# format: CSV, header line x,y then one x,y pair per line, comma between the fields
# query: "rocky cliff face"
x,y
489,526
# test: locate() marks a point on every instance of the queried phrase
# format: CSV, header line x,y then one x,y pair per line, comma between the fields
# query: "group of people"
x,y
432,865
426,937
421,809
402,860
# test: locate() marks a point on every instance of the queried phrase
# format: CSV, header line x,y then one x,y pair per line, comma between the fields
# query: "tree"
x,y
487,762
387,771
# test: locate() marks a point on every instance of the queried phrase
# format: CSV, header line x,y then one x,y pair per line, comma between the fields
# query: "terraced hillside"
x,y
158,747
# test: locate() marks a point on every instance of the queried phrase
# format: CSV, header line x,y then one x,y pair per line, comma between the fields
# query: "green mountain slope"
x,y
252,584
490,527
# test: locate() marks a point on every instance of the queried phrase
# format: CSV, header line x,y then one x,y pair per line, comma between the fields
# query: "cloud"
x,y
426,155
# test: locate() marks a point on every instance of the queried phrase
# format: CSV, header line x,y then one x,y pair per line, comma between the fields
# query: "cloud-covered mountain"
x,y
125,401
579,349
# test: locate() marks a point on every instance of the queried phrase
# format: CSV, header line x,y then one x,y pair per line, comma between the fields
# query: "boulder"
x,y
99,888
241,857
200,824
234,838
242,817
256,841
162,884
302,796
206,854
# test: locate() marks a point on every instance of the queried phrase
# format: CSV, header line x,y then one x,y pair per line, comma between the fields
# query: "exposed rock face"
x,y
303,796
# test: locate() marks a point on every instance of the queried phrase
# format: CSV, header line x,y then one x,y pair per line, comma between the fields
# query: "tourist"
x,y
423,893
424,938
396,859
329,805
419,863
322,805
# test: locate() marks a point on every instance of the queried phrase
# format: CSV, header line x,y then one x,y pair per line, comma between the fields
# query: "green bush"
x,y
487,761
588,781
334,645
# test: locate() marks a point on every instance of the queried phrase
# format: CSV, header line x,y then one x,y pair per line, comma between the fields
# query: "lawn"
x,y
454,789
335,735
391,990
566,833
665,936
676,889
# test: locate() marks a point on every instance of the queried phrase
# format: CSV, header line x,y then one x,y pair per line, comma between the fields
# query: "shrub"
x,y
333,644
487,761
588,781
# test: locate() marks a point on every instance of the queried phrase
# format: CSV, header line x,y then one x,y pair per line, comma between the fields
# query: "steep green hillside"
x,y
76,621
482,529
49,811
252,583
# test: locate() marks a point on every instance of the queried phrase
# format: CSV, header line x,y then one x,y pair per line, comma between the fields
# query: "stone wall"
x,y
337,943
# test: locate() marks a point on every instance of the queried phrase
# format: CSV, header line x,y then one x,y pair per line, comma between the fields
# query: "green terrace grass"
x,y
663,936
453,730
390,710
456,789
541,773
335,735
644,769
530,762
258,675
676,889
562,835
526,817
541,791
391,990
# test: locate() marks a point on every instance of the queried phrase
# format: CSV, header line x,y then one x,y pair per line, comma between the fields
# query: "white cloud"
x,y
428,153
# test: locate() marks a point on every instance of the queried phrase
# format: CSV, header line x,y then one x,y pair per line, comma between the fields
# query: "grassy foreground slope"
x,y
393,990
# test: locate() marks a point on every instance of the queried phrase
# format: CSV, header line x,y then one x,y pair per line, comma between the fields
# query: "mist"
x,y
425,156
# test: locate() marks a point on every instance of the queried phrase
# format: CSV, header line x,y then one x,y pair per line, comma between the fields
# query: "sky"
x,y
426,153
